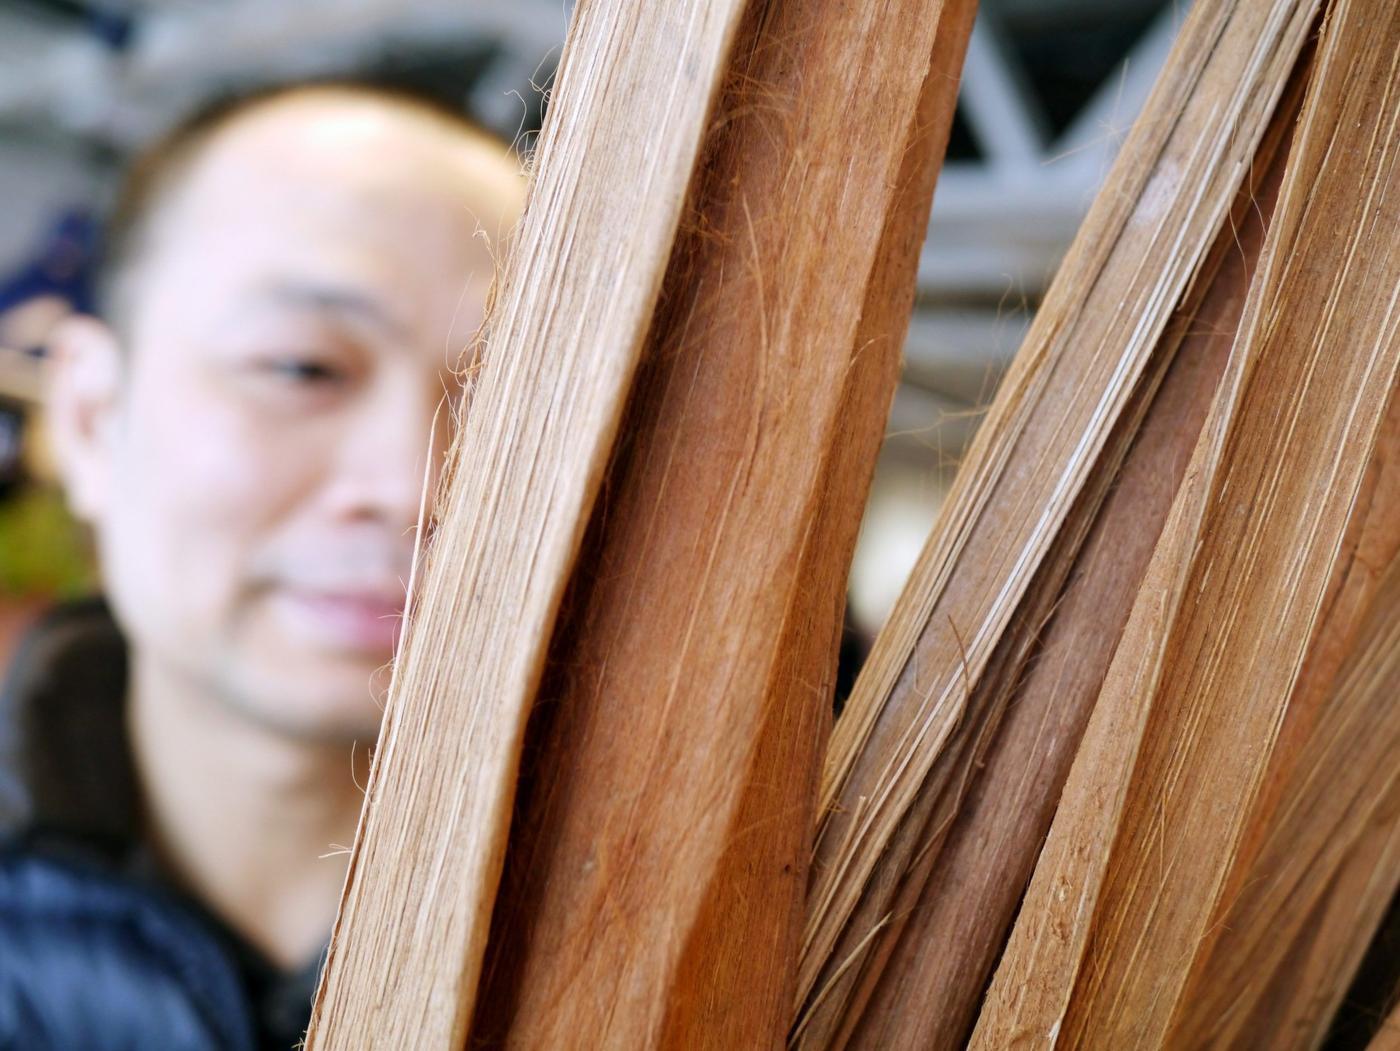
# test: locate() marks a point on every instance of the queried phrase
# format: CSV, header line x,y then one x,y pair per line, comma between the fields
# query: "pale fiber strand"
x,y
562,344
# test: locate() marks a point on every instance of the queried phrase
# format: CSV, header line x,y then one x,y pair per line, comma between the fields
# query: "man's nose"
x,y
381,461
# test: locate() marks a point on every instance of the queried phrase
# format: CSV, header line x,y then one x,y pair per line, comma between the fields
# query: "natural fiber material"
x,y
1320,860
925,708
1124,897
654,893
1388,1037
955,921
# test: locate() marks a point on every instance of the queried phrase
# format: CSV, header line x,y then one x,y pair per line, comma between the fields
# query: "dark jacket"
x,y
97,951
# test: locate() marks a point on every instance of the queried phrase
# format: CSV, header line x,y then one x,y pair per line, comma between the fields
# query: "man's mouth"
x,y
359,620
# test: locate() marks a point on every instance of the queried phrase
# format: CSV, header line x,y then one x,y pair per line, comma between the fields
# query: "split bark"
x,y
929,702
1154,815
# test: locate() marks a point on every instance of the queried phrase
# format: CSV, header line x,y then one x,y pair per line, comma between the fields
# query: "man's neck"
x,y
255,824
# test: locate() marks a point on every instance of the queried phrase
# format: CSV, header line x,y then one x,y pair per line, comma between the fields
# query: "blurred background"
x,y
1050,88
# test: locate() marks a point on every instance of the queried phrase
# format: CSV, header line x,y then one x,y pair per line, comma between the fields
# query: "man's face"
x,y
293,326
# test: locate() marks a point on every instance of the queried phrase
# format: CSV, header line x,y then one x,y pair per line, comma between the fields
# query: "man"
x,y
290,282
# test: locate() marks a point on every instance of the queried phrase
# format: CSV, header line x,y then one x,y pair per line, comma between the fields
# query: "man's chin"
x,y
316,702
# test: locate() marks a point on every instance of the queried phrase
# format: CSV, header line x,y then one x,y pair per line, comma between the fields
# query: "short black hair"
x,y
153,174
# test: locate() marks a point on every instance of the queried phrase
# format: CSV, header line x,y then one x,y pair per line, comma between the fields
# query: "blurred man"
x,y
289,285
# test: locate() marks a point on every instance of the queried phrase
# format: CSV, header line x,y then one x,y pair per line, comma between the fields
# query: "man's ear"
x,y
84,387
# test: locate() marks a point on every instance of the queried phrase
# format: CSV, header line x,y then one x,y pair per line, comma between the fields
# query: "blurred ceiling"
x,y
1050,88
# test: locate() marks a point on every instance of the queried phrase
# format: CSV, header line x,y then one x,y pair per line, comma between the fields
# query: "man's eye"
x,y
303,370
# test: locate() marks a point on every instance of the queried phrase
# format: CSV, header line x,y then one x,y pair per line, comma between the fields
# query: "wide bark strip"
x,y
655,887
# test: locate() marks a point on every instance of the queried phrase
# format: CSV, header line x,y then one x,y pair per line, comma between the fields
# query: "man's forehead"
x,y
343,195
354,142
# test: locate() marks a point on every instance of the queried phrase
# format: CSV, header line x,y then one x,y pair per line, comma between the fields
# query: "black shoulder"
x,y
90,961
64,756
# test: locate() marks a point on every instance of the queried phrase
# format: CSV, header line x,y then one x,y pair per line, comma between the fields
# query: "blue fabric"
x,y
90,962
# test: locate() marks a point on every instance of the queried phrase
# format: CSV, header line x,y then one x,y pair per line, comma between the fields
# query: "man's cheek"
x,y
224,461
206,494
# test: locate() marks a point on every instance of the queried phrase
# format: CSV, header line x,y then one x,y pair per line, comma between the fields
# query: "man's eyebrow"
x,y
333,299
